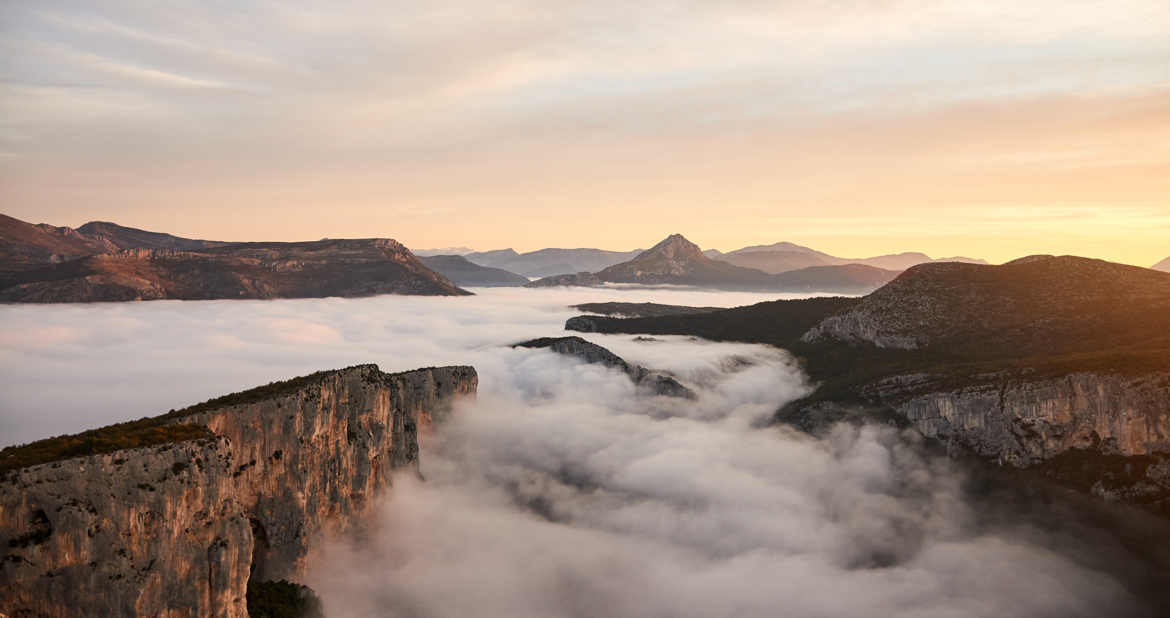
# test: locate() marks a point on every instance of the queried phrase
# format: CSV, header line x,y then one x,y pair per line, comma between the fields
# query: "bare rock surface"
x,y
177,529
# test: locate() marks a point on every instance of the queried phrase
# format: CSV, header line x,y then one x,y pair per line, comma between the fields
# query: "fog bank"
x,y
560,491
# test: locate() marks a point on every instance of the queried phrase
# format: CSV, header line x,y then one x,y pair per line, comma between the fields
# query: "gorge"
x,y
561,487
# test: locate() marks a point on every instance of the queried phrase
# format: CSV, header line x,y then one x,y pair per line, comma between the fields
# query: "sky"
x,y
991,129
561,490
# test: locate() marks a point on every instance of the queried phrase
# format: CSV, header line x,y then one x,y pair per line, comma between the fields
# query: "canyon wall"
x,y
178,529
1024,422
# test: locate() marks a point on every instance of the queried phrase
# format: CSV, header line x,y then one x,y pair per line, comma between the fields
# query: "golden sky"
x,y
985,129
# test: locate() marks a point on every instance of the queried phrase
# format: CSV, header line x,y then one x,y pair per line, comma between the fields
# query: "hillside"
x,y
1163,266
361,267
1036,305
463,272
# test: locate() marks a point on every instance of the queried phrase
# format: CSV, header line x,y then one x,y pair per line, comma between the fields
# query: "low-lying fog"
x,y
560,491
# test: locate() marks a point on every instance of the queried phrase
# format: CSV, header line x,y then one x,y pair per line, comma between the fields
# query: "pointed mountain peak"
x,y
675,246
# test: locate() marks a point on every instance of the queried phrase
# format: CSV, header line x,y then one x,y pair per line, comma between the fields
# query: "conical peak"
x,y
675,246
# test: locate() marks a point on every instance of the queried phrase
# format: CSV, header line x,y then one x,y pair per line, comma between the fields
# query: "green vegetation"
x,y
131,434
282,599
259,393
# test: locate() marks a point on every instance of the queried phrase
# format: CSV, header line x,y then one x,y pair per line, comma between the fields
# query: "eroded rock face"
x,y
178,529
1026,422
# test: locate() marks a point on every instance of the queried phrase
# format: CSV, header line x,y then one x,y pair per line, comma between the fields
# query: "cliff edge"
x,y
178,527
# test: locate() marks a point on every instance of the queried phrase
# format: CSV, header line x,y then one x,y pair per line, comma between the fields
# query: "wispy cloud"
x,y
660,105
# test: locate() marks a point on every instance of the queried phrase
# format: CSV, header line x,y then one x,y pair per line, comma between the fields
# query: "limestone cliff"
x,y
1024,422
177,529
1108,434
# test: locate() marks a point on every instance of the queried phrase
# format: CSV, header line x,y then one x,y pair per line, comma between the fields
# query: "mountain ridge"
x,y
678,261
108,262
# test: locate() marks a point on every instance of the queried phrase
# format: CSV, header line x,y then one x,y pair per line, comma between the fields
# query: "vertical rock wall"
x,y
177,529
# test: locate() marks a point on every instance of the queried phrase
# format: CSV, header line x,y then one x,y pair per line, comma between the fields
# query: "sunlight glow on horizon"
x,y
989,130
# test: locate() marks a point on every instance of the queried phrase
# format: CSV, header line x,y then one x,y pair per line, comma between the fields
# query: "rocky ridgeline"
x,y
178,529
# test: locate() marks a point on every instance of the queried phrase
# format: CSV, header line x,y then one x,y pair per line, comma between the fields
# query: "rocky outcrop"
x,y
653,382
178,529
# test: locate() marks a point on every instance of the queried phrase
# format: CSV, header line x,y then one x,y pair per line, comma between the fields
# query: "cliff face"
x,y
178,529
1027,422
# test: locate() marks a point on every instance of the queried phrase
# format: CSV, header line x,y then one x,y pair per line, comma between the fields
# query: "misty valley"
x,y
561,309
563,487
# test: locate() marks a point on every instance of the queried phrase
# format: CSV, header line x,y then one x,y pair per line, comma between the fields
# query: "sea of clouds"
x,y
561,490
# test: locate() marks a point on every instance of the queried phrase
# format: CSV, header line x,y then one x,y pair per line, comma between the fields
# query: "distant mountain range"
x,y
102,261
1163,266
785,256
677,261
1056,365
547,262
463,272
442,251
772,259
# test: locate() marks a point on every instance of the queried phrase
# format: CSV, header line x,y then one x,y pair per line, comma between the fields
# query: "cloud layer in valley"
x,y
561,491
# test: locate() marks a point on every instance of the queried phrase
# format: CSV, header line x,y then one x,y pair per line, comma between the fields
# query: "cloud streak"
x,y
499,113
